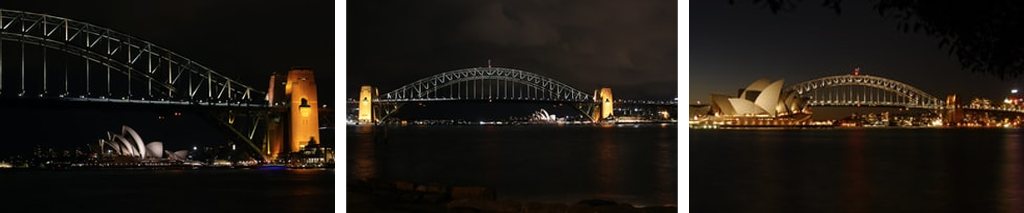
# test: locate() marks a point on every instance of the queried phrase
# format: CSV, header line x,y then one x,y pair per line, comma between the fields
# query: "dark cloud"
x,y
626,45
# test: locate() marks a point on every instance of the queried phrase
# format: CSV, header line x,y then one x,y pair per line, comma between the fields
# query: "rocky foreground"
x,y
402,196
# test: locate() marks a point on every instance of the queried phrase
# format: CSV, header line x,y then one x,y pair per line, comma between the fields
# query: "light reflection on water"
x,y
365,153
186,190
1012,190
553,164
608,171
856,170
856,177
665,172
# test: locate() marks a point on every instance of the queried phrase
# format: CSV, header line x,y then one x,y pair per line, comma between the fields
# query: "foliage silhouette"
x,y
984,36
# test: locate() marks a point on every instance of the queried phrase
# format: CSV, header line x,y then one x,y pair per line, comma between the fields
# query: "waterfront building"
x,y
542,116
129,143
762,98
761,103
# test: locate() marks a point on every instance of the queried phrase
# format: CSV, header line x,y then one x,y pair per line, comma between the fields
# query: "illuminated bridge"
x,y
56,61
866,90
490,84
64,59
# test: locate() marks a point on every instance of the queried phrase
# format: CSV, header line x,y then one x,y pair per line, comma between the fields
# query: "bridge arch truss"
x,y
101,64
863,90
486,83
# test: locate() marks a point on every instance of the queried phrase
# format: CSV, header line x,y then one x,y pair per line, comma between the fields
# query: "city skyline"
x,y
732,45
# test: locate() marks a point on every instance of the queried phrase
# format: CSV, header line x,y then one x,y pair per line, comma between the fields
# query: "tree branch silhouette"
x,y
984,36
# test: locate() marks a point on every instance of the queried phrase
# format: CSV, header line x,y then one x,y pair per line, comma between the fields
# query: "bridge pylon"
x,y
953,114
294,122
366,96
605,107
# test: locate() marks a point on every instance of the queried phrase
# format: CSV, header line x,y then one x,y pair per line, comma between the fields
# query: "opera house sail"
x,y
762,102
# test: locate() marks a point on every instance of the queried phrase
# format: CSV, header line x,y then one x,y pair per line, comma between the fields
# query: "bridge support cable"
x,y
88,79
108,81
228,127
44,69
65,76
1,60
588,110
149,69
108,70
22,68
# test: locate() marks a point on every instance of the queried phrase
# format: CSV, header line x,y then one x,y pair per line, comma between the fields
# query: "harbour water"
x,y
634,164
856,170
171,190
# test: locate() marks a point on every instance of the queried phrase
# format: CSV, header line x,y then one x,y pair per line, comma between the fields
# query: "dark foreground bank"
x,y
403,196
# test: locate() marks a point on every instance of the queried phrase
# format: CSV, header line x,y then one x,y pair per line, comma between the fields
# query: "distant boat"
x,y
273,166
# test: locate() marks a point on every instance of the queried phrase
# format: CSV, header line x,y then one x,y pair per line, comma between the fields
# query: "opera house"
x,y
130,144
761,103
542,116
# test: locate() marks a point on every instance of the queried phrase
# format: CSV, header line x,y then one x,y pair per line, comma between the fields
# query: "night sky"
x,y
630,46
244,40
730,46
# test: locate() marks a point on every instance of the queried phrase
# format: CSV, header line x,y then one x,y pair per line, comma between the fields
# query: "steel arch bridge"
x,y
48,60
486,83
103,65
863,90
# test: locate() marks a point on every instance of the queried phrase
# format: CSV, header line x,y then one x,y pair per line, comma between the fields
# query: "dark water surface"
x,y
856,170
204,190
553,164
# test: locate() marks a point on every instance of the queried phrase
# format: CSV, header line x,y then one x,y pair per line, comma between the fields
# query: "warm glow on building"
x,y
276,127
305,121
366,96
606,108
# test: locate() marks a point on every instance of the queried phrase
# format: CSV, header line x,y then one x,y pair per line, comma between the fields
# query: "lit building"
x,y
542,116
762,98
129,143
